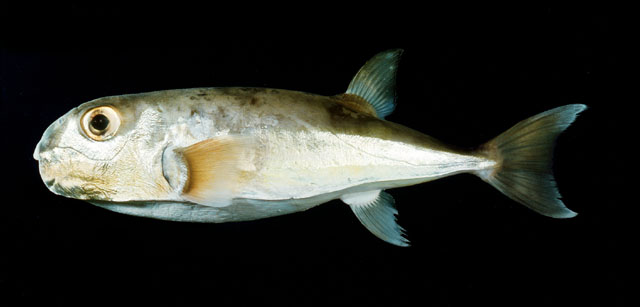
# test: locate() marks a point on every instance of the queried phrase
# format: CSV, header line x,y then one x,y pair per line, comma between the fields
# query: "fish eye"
x,y
100,123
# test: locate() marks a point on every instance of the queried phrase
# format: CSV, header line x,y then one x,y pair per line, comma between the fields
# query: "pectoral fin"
x,y
376,211
213,168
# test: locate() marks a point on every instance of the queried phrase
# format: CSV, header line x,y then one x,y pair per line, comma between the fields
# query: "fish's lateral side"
x,y
234,154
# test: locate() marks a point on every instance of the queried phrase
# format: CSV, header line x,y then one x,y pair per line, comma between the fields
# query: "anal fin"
x,y
376,211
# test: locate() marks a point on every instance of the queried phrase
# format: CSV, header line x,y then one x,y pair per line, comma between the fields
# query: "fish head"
x,y
109,149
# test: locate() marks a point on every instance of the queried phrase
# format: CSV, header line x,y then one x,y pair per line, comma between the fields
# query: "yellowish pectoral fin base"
x,y
213,171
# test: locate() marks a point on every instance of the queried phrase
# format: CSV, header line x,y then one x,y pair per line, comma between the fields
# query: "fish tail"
x,y
524,157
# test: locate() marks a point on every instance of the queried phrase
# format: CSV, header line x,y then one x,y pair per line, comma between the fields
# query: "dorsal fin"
x,y
375,82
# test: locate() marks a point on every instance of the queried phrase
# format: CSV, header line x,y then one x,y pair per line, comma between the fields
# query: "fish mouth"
x,y
40,147
36,152
54,171
44,167
47,175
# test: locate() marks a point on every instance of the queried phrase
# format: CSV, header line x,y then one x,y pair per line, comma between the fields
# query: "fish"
x,y
228,154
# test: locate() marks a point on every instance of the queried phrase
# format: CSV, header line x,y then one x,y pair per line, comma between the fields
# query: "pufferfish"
x,y
236,154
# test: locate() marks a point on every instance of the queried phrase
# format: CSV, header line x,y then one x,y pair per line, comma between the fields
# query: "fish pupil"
x,y
99,122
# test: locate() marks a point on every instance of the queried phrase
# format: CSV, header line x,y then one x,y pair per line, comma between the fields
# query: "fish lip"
x,y
45,142
36,152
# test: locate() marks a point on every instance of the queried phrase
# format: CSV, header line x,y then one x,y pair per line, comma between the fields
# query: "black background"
x,y
465,77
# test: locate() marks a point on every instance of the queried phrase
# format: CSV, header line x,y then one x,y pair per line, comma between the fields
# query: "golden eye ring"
x,y
100,123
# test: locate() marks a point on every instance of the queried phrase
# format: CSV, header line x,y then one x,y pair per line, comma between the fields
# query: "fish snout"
x,y
46,164
49,138
58,168
48,156
42,147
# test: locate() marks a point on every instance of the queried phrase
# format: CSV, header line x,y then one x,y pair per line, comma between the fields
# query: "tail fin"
x,y
524,156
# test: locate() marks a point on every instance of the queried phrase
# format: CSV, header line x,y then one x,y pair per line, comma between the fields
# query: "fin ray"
x,y
376,211
375,82
213,170
524,154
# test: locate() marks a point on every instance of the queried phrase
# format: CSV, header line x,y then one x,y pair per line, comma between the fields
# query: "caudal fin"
x,y
524,156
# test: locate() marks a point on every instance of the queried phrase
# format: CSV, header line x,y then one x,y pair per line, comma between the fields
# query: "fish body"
x,y
234,154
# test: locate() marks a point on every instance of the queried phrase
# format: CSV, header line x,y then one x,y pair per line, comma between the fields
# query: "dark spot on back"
x,y
222,112
249,89
338,111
